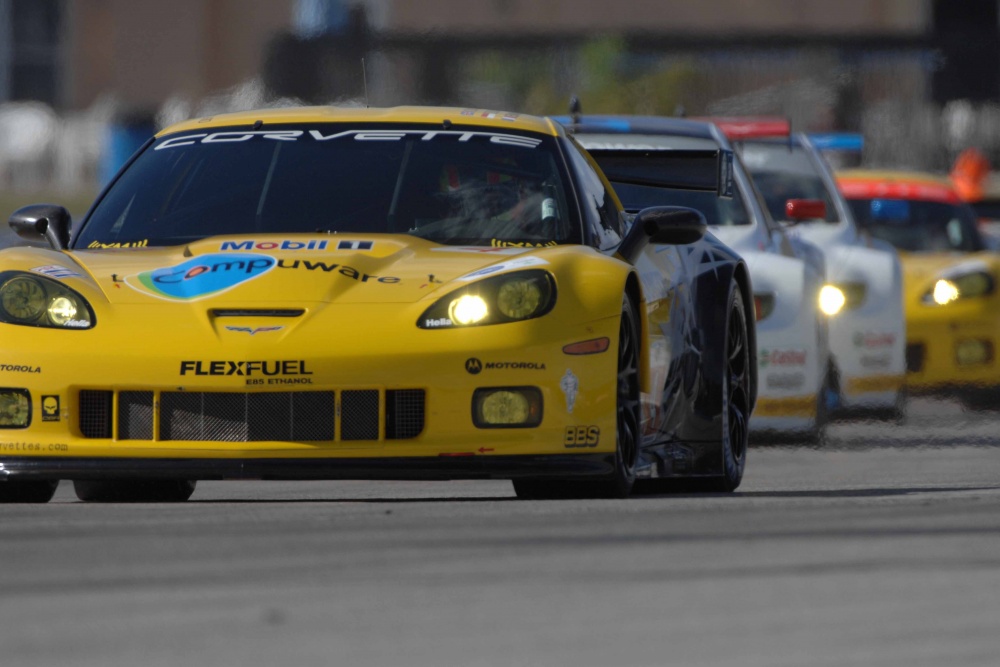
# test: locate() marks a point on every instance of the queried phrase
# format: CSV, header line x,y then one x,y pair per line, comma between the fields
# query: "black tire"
x,y
29,491
981,399
134,490
627,433
736,398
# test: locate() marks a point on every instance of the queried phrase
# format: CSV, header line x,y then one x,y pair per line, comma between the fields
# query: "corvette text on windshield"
x,y
357,135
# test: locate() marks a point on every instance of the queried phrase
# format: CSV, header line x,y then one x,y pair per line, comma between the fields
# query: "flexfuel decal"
x,y
202,276
282,371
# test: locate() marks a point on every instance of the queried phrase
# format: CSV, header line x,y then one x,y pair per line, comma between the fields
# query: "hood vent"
x,y
258,312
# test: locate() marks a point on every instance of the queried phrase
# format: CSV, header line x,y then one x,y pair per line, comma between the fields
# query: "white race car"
x,y
797,376
868,336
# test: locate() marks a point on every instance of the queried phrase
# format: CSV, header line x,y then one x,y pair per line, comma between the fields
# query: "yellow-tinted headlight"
x,y
15,408
519,298
38,301
23,298
507,407
831,299
62,310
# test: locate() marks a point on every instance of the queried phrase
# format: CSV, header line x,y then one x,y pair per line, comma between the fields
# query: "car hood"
x,y
922,270
261,270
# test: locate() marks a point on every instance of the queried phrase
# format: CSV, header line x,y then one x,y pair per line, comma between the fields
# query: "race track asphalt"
x,y
880,549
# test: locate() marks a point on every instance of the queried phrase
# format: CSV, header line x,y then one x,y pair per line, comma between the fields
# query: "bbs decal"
x,y
581,436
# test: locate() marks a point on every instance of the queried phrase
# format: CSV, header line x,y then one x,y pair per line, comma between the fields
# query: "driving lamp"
x,y
508,407
15,408
41,302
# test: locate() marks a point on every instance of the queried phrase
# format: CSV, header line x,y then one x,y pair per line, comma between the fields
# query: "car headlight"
x,y
39,302
966,286
835,297
511,297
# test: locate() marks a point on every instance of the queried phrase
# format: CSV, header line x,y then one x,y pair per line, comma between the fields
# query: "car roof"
x,y
919,186
402,114
640,125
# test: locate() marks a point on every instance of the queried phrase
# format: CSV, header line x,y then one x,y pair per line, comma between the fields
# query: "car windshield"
x,y
919,226
781,173
461,185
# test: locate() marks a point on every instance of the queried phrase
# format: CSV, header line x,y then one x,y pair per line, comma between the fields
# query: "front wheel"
x,y
736,397
134,490
627,435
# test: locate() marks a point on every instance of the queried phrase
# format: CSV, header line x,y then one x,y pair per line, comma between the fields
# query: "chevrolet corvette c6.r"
x,y
949,277
797,375
408,293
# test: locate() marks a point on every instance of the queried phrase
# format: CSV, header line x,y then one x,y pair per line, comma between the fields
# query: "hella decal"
x,y
201,276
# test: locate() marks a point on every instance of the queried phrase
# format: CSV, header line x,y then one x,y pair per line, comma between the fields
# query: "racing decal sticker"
x,y
497,243
50,408
781,358
253,330
868,339
289,371
11,368
95,245
482,249
355,245
785,380
461,136
570,385
274,245
581,436
519,263
202,276
879,361
474,366
344,270
56,271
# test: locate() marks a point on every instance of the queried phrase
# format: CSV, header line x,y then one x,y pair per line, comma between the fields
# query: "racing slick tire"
x,y
28,492
134,490
736,399
619,485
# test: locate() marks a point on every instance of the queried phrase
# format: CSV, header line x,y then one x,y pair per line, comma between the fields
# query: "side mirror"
x,y
676,225
42,222
800,210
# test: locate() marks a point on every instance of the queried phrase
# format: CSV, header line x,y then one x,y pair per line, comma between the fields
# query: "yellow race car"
x,y
409,293
950,280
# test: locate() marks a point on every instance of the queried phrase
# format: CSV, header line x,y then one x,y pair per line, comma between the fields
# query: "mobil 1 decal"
x,y
202,276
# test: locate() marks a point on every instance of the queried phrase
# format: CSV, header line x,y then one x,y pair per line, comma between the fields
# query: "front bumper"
x,y
141,381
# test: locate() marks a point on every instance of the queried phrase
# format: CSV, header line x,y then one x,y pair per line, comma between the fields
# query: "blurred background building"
x,y
83,82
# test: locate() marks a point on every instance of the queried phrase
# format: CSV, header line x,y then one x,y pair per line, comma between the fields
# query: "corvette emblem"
x,y
253,330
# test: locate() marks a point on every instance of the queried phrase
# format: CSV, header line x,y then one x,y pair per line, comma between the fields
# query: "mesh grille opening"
x,y
96,409
245,417
135,415
359,416
404,413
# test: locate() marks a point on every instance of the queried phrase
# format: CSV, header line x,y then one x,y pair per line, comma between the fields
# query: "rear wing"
x,y
701,170
742,128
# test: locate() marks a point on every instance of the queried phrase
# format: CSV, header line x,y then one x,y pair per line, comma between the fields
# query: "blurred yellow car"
x,y
950,280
